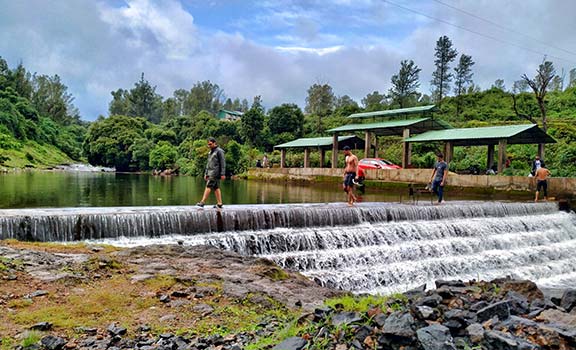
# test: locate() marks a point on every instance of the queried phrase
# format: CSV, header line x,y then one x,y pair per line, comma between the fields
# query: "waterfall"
x,y
371,248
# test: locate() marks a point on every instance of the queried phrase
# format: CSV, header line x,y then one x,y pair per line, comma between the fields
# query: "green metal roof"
x,y
514,134
391,112
395,127
315,142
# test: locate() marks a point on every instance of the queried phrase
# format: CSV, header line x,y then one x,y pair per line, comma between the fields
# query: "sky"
x,y
276,48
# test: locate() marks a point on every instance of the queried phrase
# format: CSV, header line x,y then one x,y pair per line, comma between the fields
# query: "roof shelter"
x,y
321,143
396,127
489,136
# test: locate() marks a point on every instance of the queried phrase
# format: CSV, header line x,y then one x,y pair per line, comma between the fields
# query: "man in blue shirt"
x,y
438,178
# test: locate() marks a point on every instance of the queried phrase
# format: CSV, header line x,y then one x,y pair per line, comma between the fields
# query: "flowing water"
x,y
374,247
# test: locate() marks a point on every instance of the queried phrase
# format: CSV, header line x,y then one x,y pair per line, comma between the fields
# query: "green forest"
x,y
40,127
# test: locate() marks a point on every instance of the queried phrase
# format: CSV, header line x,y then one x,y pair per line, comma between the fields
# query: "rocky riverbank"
x,y
175,297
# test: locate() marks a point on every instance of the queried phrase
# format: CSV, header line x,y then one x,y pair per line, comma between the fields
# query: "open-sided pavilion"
x,y
322,144
398,127
485,136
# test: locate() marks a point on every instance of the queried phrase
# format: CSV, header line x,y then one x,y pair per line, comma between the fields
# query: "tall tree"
x,y
374,101
539,85
345,101
442,76
252,123
204,96
405,83
520,86
145,102
286,118
120,104
51,99
320,101
462,79
572,78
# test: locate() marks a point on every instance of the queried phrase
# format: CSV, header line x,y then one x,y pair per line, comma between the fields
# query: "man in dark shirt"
x,y
214,172
438,178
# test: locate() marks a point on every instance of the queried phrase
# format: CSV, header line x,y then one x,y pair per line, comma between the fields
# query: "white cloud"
x,y
318,51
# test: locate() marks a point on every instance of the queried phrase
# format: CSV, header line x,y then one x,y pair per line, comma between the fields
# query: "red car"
x,y
375,163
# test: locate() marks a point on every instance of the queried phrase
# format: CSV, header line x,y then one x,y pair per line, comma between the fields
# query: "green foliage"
x,y
31,338
252,123
404,84
286,118
163,156
442,76
109,141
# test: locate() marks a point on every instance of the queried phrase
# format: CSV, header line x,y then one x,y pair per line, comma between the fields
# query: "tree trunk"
x,y
544,126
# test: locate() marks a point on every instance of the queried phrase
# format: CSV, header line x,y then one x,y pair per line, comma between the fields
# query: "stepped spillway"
x,y
374,247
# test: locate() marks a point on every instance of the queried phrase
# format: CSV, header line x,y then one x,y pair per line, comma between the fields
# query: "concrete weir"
x,y
369,248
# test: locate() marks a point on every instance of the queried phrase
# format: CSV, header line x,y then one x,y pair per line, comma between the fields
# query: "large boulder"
x,y
435,337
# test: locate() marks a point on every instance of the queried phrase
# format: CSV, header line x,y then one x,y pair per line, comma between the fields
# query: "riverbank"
x,y
56,296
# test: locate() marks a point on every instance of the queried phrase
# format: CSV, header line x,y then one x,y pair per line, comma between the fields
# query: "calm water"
x,y
84,189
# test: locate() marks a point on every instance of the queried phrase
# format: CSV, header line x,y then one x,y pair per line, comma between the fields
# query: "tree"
x,y
442,77
252,123
463,79
499,84
520,86
120,104
163,156
286,118
572,79
374,101
51,99
345,101
319,102
405,83
204,96
539,86
108,141
145,102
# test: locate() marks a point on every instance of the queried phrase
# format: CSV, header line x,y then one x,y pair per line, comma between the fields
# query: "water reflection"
x,y
70,189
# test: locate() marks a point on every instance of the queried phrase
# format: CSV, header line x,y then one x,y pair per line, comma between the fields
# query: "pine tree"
x,y
405,83
463,79
442,77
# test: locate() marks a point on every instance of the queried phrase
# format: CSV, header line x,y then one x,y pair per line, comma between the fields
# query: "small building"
x,y
224,114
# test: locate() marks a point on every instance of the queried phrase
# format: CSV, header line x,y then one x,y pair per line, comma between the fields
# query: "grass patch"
x,y
160,282
31,338
365,303
54,247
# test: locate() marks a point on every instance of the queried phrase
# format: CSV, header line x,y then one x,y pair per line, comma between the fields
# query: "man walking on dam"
x,y
438,178
350,174
214,172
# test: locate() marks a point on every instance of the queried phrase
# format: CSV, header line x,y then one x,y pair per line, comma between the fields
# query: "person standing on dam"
x,y
214,172
541,177
438,178
350,174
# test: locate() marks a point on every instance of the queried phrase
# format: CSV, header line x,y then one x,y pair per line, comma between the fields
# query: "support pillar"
x,y
375,146
490,159
322,156
406,149
334,151
367,143
501,155
448,151
283,158
306,157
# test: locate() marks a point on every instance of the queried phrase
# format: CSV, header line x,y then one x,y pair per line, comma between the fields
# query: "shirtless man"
x,y
541,177
350,174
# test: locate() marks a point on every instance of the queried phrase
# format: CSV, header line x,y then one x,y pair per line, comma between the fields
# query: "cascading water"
x,y
374,247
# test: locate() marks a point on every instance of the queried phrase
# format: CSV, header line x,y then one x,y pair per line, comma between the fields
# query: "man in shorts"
x,y
350,174
541,177
214,172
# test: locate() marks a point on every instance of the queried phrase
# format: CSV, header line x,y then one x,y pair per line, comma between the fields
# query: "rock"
x,y
115,330
440,283
180,294
42,326
141,278
475,332
557,316
568,300
379,320
399,324
435,337
179,303
496,340
527,288
500,309
203,309
39,293
51,342
431,301
416,292
345,318
321,313
164,298
362,333
477,306
426,313
292,343
518,303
